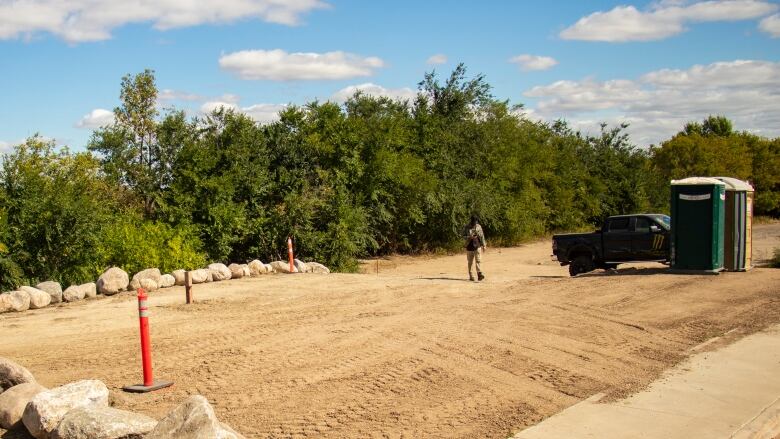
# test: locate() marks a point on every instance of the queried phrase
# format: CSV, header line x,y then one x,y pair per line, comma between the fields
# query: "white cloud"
x,y
439,58
374,90
732,75
585,95
278,65
659,103
533,62
771,25
665,19
93,20
211,106
168,95
5,147
95,119
263,113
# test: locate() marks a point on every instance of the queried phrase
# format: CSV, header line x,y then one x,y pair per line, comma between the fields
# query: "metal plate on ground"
x,y
140,388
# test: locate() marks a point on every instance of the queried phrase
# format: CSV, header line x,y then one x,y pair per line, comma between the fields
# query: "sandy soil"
x,y
413,351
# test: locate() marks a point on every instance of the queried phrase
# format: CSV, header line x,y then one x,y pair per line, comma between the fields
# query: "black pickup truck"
x,y
623,238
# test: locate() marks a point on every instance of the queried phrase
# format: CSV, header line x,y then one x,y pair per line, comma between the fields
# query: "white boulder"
x,y
90,290
38,298
247,271
269,268
14,301
102,423
256,268
150,274
178,275
46,409
193,419
13,374
316,267
14,400
236,271
167,281
149,285
219,272
300,266
112,281
283,267
53,288
73,293
200,276
5,303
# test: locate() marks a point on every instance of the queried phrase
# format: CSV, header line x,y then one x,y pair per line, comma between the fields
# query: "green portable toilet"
x,y
738,230
697,224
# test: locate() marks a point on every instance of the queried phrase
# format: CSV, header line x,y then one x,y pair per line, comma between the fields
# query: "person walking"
x,y
475,245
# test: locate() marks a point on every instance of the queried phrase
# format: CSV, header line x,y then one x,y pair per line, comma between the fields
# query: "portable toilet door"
x,y
737,240
697,207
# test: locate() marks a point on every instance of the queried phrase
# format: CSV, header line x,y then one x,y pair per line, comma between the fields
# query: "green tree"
x,y
454,153
713,148
765,174
220,184
10,273
395,182
711,126
686,155
138,150
57,207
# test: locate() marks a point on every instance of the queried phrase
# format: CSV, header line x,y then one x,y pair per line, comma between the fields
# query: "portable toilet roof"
x,y
699,181
733,184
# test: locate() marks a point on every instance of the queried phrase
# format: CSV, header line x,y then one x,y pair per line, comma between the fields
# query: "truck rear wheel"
x,y
581,264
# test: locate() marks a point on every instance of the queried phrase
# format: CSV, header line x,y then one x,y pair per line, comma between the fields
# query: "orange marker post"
x,y
146,351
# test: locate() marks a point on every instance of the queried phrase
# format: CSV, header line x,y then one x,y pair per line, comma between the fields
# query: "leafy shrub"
x,y
56,206
10,274
135,244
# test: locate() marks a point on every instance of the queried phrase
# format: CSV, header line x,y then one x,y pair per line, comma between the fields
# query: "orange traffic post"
x,y
290,253
149,383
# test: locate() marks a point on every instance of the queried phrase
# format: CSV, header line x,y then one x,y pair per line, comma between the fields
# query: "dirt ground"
x,y
414,350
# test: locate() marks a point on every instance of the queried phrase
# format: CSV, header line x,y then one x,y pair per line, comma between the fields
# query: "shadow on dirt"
x,y
648,271
460,279
632,271
18,432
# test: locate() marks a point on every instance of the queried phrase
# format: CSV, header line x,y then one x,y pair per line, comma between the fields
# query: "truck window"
x,y
618,224
663,220
642,225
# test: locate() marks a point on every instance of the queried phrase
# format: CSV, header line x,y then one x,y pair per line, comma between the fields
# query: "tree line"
x,y
371,176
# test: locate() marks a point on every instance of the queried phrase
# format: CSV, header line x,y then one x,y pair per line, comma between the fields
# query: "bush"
x,y
134,244
10,274
55,207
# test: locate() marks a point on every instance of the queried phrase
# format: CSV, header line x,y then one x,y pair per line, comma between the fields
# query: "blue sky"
x,y
654,65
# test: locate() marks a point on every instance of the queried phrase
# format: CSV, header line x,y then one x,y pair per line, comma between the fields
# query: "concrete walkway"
x,y
732,392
